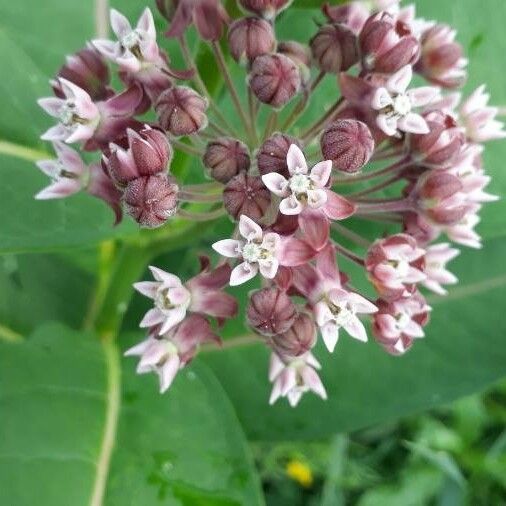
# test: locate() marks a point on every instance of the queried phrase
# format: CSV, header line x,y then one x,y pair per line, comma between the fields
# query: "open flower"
x,y
395,104
167,354
436,258
68,173
306,188
77,114
258,252
294,376
173,299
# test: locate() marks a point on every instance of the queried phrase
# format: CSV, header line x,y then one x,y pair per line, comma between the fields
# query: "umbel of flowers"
x,y
406,158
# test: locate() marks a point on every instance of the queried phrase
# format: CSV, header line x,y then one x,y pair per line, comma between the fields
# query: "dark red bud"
x,y
181,111
265,8
246,195
225,158
348,143
270,311
249,38
274,79
151,200
271,157
298,52
298,339
334,48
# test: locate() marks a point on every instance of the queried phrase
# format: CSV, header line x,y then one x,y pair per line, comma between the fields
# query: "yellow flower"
x,y
300,472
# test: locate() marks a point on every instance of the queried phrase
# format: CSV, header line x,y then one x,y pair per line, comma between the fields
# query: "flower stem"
x,y
396,167
185,196
270,125
375,188
319,125
386,206
352,236
349,254
186,148
206,216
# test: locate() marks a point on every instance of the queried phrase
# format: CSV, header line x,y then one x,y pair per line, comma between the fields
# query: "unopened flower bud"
x,y
167,8
298,339
88,70
270,311
225,158
298,52
151,200
334,48
181,111
249,38
387,45
271,156
148,152
265,8
352,14
274,79
246,195
348,143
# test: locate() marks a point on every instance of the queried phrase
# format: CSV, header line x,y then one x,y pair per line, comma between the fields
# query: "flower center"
x,y
252,252
299,183
67,113
342,314
401,267
403,320
402,105
170,298
131,40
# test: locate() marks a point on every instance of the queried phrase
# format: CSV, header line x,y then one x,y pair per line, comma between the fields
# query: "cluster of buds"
x,y
285,186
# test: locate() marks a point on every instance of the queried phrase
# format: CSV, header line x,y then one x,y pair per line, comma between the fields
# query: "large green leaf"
x,y
463,352
64,410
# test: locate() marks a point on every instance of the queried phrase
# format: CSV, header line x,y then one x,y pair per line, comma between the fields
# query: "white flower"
x,y
395,104
436,258
304,187
258,252
293,376
338,309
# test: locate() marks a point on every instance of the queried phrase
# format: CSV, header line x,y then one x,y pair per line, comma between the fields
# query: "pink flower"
x,y
77,114
259,252
395,104
397,323
306,189
166,354
68,173
478,118
294,376
462,232
436,258
394,265
173,299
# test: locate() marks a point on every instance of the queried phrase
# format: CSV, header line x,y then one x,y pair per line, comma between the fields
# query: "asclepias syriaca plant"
x,y
387,151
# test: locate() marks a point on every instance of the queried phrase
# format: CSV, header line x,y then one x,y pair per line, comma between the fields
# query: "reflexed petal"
x,y
152,317
290,206
172,318
228,248
168,372
276,183
313,381
276,365
296,160
139,348
147,288
107,48
399,82
51,105
242,273
330,335
413,123
294,252
315,229
60,189
55,133
249,229
337,207
320,173
356,329
170,280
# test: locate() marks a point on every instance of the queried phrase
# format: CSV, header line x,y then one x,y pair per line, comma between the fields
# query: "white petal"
x,y
249,229
381,99
147,288
296,160
316,198
423,95
242,273
413,123
290,206
107,48
168,372
173,317
313,381
387,123
268,268
146,23
152,317
60,189
139,348
55,133
356,329
320,173
271,242
229,248
330,335
170,280
51,105
399,82
119,24
276,183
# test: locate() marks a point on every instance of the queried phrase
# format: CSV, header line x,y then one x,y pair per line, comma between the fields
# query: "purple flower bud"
x,y
387,45
151,200
298,52
181,111
353,15
88,70
249,38
271,156
225,158
334,48
270,311
298,339
246,195
265,8
148,152
274,79
348,143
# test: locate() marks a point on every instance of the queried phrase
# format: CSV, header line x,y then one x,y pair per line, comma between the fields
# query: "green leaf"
x,y
65,408
462,352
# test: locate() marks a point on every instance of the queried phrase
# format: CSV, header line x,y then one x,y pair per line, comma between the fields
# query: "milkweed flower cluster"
x,y
288,184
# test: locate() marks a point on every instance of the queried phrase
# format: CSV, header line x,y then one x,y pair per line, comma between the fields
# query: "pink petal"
x,y
60,189
50,167
51,105
80,134
276,183
123,104
147,288
152,317
312,380
229,248
322,313
315,229
288,380
170,280
356,329
174,316
276,392
55,133
138,349
294,252
271,242
423,95
326,264
320,173
168,372
214,303
399,81
242,273
337,207
413,123
249,229
69,158
296,160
